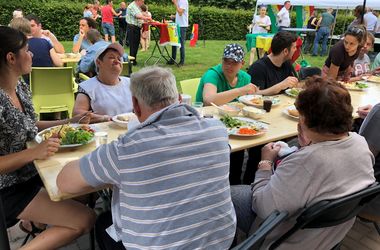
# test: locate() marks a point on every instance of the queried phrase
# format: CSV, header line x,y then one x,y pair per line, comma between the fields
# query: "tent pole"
x,y
333,29
362,14
345,20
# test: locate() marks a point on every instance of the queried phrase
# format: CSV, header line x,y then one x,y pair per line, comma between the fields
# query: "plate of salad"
x,y
242,126
70,135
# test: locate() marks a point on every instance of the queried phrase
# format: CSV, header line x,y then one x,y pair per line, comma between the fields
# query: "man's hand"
x,y
46,33
364,110
249,89
289,82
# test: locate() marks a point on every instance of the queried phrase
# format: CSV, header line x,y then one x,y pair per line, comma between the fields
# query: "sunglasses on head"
x,y
355,30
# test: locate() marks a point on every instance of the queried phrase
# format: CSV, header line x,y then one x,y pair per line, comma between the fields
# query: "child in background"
x,y
87,12
145,35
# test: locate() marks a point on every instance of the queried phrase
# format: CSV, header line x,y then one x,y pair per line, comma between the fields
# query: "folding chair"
x,y
52,89
256,239
329,213
190,87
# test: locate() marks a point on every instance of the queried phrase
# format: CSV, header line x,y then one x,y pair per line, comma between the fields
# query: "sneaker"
x,y
170,62
314,55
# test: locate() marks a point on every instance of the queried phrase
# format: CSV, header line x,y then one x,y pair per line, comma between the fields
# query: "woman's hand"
x,y
46,148
269,153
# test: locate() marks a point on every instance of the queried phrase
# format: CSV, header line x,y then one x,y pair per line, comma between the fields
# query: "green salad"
x,y
77,136
231,122
361,85
294,91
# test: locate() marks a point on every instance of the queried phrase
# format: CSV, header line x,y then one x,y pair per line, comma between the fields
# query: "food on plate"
x,y
293,112
123,118
355,85
247,131
374,79
69,134
253,112
257,100
294,91
231,122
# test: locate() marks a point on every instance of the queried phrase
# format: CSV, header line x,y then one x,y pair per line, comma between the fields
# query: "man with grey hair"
x,y
169,174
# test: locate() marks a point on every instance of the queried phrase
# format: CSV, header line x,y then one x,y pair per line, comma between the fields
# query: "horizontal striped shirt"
x,y
171,174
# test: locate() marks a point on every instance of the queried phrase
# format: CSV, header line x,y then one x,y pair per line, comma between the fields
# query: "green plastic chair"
x,y
127,69
52,89
190,87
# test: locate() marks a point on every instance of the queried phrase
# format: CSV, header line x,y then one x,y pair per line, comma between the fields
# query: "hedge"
x,y
62,18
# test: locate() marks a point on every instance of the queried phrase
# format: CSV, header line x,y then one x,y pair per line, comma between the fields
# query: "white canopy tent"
x,y
320,4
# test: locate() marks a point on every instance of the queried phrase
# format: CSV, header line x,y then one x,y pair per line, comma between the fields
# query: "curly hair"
x,y
326,106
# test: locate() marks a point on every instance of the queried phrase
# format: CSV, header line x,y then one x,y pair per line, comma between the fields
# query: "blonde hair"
x,y
21,24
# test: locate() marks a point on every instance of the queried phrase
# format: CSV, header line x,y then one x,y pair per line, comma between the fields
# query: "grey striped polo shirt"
x,y
171,174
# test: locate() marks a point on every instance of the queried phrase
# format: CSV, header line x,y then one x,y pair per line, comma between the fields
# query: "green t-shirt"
x,y
216,77
327,20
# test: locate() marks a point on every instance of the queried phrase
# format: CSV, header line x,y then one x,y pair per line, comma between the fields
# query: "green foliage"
x,y
216,23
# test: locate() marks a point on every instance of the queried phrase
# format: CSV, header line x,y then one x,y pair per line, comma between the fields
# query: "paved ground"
x,y
362,236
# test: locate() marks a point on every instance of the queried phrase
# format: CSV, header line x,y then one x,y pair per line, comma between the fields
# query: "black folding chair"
x,y
309,71
256,239
328,213
4,241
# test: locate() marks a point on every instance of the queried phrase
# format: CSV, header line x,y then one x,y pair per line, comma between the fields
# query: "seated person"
x,y
157,190
362,63
86,64
226,82
106,94
44,54
376,64
21,188
38,32
80,40
342,55
274,73
332,163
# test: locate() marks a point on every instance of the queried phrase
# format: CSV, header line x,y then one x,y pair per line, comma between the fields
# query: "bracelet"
x,y
270,163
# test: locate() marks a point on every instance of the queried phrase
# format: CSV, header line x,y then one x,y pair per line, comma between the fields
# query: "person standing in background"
x,y
182,20
122,24
325,22
134,27
370,20
310,35
283,16
145,34
107,21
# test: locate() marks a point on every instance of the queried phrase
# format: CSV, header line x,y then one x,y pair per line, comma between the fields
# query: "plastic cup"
x,y
199,107
186,99
101,137
267,105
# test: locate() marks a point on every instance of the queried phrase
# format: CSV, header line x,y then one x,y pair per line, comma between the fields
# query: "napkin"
x,y
284,148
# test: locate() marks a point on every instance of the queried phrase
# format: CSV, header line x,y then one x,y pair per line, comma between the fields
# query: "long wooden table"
x,y
281,127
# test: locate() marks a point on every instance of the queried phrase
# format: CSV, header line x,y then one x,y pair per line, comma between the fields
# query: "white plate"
x,y
39,137
289,93
285,111
375,78
234,131
246,99
123,124
352,86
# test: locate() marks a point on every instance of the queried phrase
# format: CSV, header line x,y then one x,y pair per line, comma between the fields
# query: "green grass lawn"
x,y
199,58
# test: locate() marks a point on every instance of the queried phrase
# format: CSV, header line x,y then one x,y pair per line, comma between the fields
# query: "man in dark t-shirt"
x,y
274,73
41,52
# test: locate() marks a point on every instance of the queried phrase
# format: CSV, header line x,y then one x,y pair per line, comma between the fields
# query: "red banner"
x,y
194,35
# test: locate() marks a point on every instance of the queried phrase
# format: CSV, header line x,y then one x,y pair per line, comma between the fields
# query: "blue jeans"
x,y
182,49
241,196
322,34
108,29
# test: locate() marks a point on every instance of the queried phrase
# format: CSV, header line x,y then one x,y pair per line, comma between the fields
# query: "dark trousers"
x,y
104,241
236,165
134,40
309,41
182,49
123,34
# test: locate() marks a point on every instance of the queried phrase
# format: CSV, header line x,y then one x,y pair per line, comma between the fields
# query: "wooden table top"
x,y
281,127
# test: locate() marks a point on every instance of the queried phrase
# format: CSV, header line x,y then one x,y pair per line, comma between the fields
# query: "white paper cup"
x,y
101,138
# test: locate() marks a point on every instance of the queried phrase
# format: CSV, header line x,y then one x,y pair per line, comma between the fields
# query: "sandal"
x,y
35,230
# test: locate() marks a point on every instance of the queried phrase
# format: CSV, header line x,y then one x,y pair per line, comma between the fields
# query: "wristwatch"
x,y
263,163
